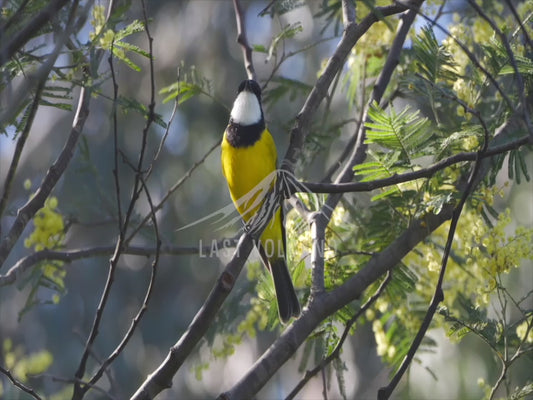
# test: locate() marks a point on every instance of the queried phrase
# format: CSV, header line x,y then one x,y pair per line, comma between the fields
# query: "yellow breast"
x,y
250,172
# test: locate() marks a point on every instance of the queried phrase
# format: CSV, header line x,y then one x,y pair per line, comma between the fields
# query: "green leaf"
x,y
405,132
132,47
121,55
134,27
433,61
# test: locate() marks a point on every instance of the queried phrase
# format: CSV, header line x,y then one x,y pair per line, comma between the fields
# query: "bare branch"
x,y
135,322
80,390
242,39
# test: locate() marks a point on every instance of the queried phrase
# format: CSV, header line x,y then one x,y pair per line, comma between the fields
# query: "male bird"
x,y
249,164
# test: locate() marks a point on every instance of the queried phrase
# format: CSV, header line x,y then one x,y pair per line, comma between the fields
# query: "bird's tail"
x,y
288,304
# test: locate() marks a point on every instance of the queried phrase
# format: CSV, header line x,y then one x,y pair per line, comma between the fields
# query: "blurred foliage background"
x,y
46,314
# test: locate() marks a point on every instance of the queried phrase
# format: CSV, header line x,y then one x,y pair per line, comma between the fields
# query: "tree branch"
x,y
242,39
344,187
21,141
287,344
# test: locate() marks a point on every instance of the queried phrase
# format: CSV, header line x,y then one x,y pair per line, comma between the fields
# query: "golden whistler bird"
x,y
249,159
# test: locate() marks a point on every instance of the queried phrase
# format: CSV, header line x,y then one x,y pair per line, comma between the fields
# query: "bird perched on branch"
x,y
249,159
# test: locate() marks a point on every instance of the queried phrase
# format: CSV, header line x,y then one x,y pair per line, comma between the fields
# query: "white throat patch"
x,y
246,109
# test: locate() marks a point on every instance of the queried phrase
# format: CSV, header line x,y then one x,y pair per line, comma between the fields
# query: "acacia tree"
x,y
409,122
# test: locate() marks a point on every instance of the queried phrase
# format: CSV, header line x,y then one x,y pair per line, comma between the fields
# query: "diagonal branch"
x,y
287,344
28,210
19,384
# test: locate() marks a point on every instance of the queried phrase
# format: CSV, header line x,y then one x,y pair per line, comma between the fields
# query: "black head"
x,y
251,86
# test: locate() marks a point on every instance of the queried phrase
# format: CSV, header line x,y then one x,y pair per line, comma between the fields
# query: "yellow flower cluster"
x,y
49,229
98,21
384,347
480,254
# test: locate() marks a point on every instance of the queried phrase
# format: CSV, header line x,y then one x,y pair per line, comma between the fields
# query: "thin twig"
x,y
136,320
173,188
115,140
19,384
